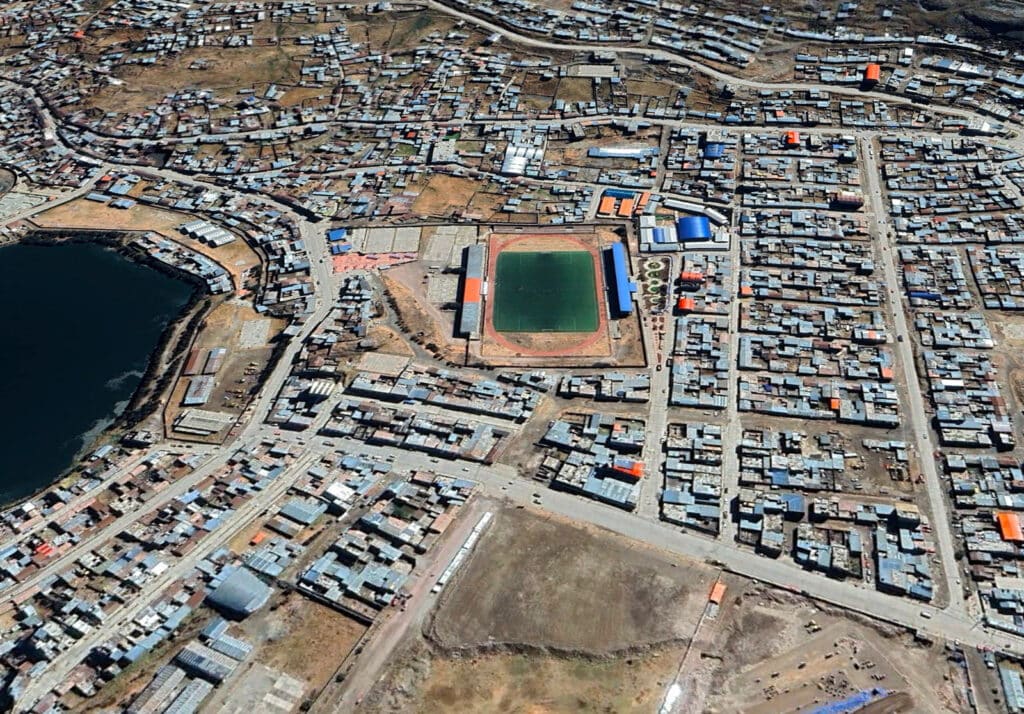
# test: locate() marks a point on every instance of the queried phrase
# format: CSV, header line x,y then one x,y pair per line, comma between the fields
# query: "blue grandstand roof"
x,y
624,288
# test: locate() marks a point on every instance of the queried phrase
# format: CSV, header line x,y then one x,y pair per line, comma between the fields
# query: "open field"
x,y
517,683
222,70
415,316
545,292
131,681
303,638
442,194
542,582
774,652
549,616
294,637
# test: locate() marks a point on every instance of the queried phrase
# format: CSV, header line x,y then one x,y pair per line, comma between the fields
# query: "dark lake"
x,y
78,323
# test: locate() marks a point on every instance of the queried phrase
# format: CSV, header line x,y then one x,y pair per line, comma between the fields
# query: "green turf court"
x,y
545,292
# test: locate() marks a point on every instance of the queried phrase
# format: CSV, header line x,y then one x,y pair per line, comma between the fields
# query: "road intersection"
x,y
954,621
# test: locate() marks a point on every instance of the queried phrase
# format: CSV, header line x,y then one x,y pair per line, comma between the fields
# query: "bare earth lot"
x,y
541,582
550,617
508,682
771,652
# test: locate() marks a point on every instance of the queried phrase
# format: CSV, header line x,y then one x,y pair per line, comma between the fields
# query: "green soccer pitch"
x,y
545,292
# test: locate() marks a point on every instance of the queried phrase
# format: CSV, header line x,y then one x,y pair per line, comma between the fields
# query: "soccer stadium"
x,y
545,296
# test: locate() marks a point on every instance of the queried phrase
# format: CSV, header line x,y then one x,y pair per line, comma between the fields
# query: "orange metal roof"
x,y
626,207
717,593
635,469
1009,527
873,72
792,137
607,205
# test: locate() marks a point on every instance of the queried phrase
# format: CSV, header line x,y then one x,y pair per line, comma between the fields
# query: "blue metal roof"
x,y
714,151
693,228
624,289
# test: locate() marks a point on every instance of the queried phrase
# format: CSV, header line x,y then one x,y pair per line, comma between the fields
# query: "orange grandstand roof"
x,y
471,291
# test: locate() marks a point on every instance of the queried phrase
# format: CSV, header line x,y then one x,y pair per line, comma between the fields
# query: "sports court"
x,y
545,292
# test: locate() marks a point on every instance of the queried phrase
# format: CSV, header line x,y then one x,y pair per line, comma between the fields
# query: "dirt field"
x,y
416,317
302,638
543,582
237,257
136,676
226,71
390,342
548,616
575,89
533,621
444,193
775,652
507,683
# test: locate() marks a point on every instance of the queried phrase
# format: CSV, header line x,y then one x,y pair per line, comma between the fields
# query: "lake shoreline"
x,y
157,377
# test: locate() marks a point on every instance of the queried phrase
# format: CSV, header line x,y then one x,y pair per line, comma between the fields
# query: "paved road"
x,y
953,623
733,432
915,410
59,670
325,286
68,558
389,634
503,482
79,502
657,413
676,58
